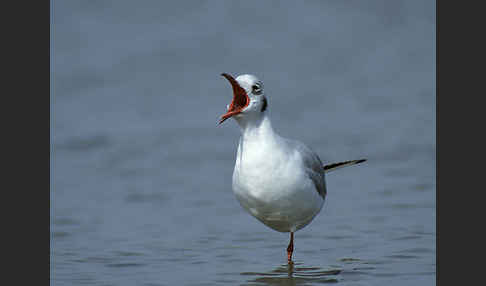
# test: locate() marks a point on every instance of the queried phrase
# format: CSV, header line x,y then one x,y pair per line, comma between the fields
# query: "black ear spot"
x,y
265,104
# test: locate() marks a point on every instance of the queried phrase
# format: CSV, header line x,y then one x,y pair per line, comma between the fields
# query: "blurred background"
x,y
141,172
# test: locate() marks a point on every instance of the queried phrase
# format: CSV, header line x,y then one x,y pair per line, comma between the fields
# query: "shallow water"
x,y
141,173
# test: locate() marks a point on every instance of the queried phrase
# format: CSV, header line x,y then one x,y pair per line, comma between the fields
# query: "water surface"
x,y
141,173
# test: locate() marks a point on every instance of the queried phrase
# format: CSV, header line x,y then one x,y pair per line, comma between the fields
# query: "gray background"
x,y
141,173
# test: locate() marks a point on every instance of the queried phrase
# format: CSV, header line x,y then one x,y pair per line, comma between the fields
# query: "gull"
x,y
279,181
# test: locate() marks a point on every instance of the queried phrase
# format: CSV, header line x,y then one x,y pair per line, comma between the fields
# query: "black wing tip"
x,y
335,165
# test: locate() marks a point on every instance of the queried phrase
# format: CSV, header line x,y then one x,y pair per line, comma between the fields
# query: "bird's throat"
x,y
255,127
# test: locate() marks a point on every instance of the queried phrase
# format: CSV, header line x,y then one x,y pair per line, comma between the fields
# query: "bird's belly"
x,y
282,202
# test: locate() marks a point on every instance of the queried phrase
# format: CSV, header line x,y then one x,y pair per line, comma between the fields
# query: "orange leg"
x,y
290,248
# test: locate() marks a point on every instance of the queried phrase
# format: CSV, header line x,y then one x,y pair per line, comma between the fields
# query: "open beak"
x,y
240,99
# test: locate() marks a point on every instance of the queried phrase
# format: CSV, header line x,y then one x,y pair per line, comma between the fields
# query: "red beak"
x,y
240,99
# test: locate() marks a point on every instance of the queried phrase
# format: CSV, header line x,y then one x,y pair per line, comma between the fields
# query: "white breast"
x,y
271,182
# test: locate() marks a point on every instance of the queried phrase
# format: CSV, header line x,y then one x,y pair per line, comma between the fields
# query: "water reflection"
x,y
293,274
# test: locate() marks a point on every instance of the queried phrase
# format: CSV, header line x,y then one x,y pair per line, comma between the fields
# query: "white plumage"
x,y
279,181
274,178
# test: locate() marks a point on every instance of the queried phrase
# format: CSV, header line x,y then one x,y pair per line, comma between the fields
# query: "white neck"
x,y
256,127
257,141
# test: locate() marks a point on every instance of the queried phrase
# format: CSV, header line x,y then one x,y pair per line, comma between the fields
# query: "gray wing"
x,y
313,164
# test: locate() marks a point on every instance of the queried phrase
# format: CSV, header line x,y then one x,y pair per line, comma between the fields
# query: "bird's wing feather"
x,y
313,165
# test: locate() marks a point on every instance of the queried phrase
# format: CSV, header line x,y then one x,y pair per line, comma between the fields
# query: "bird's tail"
x,y
335,166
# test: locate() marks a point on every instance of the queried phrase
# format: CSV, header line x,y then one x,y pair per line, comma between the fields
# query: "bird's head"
x,y
248,97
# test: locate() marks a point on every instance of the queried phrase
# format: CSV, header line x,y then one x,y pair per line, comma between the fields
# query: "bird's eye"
x,y
256,89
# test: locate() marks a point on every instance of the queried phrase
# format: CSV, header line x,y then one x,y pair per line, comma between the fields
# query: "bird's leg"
x,y
290,248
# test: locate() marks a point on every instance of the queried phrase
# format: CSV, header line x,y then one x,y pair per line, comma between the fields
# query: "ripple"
x,y
404,206
248,239
401,256
377,262
339,237
417,250
349,259
84,143
144,198
364,268
407,237
398,274
293,274
423,187
128,253
292,280
95,259
65,221
60,234
118,265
